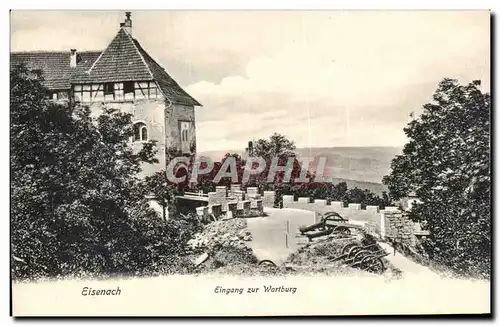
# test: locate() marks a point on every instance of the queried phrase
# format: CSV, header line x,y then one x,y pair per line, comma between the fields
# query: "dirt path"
x,y
407,266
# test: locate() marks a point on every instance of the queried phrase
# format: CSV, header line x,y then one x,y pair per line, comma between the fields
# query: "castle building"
x,y
122,76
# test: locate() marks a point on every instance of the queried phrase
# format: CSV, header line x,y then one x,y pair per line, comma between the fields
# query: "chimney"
x,y
72,60
127,24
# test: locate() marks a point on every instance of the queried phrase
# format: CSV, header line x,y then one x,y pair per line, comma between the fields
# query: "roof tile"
x,y
55,65
123,60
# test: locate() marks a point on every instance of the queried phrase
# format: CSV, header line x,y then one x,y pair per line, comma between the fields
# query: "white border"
x,y
184,4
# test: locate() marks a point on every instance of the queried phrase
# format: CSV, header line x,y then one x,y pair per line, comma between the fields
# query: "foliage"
x,y
163,190
228,255
276,145
77,205
447,163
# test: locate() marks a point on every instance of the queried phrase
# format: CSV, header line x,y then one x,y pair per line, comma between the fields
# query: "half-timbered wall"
x,y
123,91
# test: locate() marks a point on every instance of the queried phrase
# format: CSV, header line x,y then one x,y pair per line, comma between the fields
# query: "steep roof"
x,y
123,60
120,61
168,85
55,65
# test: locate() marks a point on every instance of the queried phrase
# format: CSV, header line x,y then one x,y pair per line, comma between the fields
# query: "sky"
x,y
322,78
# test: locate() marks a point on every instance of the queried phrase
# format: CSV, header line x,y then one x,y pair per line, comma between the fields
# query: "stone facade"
x,y
399,227
162,120
174,115
150,112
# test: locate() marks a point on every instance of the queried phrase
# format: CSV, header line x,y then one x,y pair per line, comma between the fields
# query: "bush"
x,y
230,256
78,207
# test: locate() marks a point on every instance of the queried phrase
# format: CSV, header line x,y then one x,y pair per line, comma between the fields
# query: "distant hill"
x,y
377,188
355,163
361,167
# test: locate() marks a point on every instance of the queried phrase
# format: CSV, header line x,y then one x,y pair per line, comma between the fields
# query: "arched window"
x,y
144,133
140,131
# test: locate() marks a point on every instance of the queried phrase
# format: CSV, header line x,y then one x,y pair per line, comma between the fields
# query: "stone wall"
x,y
389,224
352,211
174,113
268,198
399,227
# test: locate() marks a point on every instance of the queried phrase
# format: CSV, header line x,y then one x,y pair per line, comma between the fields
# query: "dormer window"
x,y
140,132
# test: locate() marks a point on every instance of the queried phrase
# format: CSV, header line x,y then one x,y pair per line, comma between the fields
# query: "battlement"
x,y
388,223
352,211
232,202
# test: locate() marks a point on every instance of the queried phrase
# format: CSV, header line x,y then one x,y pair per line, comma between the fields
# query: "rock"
x,y
247,238
201,259
244,232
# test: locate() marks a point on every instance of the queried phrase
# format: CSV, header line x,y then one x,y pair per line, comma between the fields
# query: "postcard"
x,y
250,163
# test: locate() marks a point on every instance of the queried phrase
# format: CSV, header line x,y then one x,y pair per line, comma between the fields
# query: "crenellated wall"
x,y
389,223
232,202
352,211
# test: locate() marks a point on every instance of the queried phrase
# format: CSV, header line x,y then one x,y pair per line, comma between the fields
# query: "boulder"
x,y
201,259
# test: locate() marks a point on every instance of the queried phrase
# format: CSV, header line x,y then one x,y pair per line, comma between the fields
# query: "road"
x,y
270,232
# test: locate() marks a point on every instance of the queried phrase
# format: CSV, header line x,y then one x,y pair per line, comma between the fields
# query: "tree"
x,y
276,145
447,163
163,190
77,205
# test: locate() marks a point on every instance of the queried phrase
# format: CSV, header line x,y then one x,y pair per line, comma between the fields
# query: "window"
x,y
109,88
97,92
59,95
82,93
140,132
87,93
128,90
118,91
184,132
146,90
